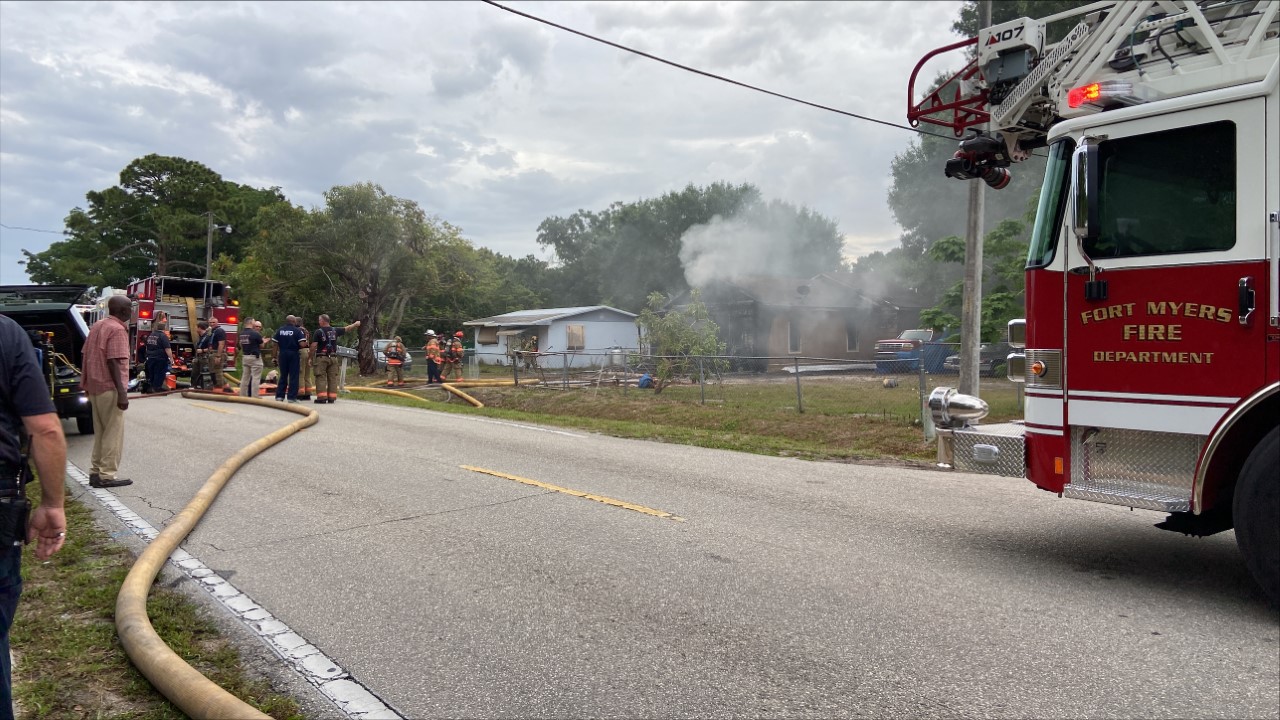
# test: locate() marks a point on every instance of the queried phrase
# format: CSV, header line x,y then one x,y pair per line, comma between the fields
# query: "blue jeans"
x,y
288,381
10,589
156,372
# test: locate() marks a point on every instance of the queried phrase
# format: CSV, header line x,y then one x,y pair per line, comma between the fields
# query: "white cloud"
x,y
492,121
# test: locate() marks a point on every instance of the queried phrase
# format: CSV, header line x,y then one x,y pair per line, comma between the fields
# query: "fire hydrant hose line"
x,y
183,685
453,388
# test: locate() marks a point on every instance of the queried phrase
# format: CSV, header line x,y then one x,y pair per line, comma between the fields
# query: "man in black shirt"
x,y
324,349
26,411
159,357
217,355
250,359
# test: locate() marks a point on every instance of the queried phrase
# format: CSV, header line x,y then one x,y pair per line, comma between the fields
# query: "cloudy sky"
x,y
489,120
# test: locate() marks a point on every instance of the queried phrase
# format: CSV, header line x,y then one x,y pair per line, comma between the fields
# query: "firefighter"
x,y
307,368
287,339
200,369
159,357
250,359
432,349
395,362
455,354
324,349
217,355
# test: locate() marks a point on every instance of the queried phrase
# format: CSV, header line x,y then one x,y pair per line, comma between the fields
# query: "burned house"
x,y
824,316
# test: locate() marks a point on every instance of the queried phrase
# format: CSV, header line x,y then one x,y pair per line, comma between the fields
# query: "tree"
x,y
676,336
153,221
366,252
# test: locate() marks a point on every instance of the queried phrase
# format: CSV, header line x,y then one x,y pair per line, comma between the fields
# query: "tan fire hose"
x,y
196,695
453,388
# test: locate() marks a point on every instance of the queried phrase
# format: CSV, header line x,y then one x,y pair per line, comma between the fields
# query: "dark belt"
x,y
251,354
326,354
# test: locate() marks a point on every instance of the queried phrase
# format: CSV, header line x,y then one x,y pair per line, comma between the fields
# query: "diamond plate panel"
x,y
1140,469
998,449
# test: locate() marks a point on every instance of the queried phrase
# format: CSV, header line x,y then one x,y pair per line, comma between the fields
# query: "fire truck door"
x,y
1180,245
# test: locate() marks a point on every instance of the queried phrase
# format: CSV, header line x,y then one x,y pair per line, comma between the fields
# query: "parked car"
x,y
901,354
50,312
992,359
380,355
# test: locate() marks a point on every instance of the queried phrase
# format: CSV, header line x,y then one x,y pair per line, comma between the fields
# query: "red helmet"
x,y
458,334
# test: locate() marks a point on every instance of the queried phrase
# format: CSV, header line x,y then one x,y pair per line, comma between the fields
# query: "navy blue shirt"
x,y
23,389
205,342
251,342
219,336
290,338
157,343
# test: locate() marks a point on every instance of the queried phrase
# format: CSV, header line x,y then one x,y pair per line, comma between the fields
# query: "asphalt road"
x,y
785,589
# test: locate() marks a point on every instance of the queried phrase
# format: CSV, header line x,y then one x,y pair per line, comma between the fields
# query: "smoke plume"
x,y
763,239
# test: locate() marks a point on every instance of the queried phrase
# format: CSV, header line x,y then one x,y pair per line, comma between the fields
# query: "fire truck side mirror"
x,y
1084,196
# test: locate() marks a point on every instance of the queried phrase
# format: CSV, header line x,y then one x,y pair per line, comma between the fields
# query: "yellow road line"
x,y
577,493
210,407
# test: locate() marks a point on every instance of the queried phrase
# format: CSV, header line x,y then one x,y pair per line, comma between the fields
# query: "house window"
x,y
850,337
576,337
487,335
793,337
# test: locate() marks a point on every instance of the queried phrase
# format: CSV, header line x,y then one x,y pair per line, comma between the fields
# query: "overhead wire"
x,y
714,76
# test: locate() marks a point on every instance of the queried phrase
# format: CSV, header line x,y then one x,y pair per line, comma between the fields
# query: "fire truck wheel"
x,y
1256,509
85,425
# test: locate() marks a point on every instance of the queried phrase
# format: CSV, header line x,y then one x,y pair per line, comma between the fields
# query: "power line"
x,y
713,75
52,232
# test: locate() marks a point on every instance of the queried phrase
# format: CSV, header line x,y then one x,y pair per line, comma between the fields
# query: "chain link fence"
x,y
894,386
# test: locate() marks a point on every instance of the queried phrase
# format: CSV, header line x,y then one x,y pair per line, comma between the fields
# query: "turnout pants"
x,y
216,361
327,377
250,375
397,372
306,373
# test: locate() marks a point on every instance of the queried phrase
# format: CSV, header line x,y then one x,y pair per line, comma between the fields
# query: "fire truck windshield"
x,y
1053,196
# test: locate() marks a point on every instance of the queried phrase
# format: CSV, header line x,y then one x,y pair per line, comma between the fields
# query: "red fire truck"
x,y
183,302
1150,351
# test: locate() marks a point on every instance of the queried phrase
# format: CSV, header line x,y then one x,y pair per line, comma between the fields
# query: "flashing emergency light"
x,y
232,319
235,303
144,313
1105,94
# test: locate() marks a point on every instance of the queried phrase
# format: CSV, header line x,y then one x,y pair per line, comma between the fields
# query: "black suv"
x,y
50,310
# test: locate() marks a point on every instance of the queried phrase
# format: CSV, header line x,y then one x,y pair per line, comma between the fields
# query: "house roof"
x,y
542,316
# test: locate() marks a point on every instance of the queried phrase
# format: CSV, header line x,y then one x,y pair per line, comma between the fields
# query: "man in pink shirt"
x,y
106,382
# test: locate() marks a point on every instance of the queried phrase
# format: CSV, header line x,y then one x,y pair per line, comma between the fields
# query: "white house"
x,y
580,336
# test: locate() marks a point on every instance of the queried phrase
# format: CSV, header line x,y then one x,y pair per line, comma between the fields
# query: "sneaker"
x,y
279,399
109,483
292,401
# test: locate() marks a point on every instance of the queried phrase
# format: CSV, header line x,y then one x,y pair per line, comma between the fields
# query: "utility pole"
x,y
971,305
208,244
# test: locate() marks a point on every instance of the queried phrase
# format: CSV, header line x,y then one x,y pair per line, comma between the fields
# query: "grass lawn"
x,y
848,418
69,662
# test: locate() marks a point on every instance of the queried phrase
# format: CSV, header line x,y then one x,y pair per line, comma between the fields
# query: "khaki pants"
x,y
397,373
306,373
327,376
216,361
250,375
108,435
